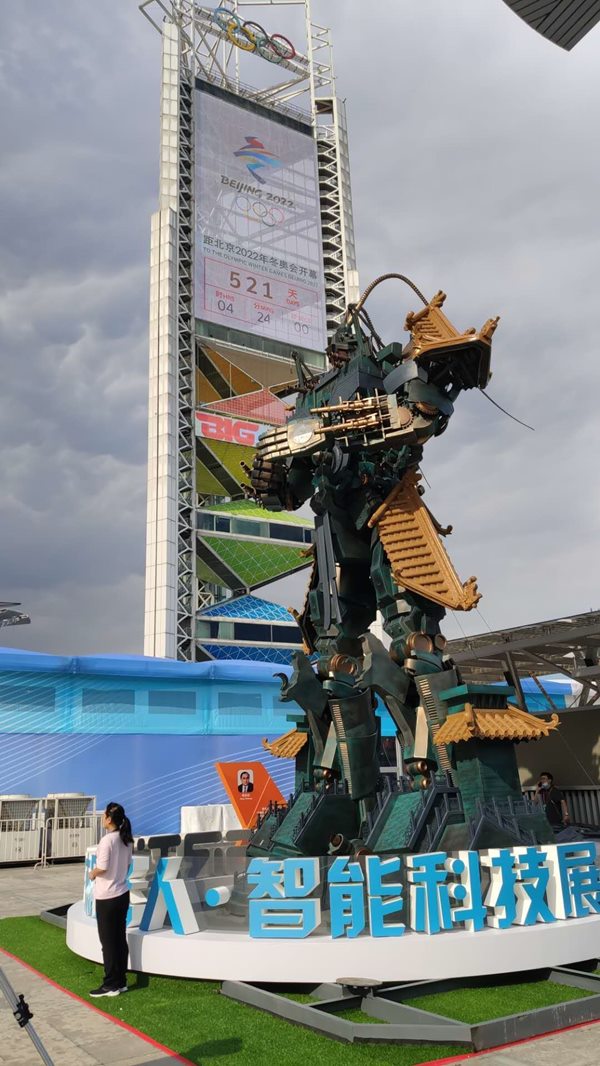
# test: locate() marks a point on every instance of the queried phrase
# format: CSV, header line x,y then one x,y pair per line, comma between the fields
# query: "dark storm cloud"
x,y
77,186
475,169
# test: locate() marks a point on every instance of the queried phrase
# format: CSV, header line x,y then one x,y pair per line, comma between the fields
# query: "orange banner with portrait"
x,y
250,788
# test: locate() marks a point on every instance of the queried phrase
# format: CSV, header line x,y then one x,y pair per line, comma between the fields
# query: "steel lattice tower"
x,y
186,571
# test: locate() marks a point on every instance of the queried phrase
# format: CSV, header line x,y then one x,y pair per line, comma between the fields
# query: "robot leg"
x,y
412,621
357,737
417,647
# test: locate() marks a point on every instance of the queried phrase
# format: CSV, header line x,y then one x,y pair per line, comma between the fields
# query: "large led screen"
x,y
258,258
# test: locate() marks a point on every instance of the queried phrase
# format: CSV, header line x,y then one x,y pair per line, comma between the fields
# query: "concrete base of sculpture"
x,y
225,952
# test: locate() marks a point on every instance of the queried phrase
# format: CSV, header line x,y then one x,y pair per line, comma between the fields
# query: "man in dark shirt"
x,y
552,800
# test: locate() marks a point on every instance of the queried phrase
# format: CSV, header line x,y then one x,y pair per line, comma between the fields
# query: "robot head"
x,y
450,358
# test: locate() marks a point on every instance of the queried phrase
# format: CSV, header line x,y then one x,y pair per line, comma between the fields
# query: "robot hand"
x,y
268,480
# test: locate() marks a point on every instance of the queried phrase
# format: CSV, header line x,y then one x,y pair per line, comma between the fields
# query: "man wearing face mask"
x,y
552,800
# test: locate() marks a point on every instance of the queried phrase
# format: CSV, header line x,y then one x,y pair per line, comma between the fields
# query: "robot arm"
x,y
277,482
416,404
369,422
281,473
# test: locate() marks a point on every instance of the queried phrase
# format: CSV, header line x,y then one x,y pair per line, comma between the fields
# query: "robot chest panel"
x,y
346,384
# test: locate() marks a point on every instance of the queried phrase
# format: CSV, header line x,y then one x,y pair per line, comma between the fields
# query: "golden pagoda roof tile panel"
x,y
410,536
286,746
512,724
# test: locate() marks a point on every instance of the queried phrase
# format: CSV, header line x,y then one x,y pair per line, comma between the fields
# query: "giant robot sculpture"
x,y
353,447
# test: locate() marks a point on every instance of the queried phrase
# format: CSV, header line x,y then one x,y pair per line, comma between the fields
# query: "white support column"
x,y
346,213
161,529
160,621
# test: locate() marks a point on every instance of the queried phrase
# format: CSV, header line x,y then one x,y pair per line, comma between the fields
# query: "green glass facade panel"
x,y
255,564
204,573
206,483
247,509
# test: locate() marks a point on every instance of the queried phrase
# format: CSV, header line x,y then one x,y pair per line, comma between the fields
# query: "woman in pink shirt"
x,y
113,857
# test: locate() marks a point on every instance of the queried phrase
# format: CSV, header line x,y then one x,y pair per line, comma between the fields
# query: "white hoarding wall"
x,y
258,257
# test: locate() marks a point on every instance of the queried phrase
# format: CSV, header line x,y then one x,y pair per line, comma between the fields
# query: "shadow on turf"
x,y
213,1049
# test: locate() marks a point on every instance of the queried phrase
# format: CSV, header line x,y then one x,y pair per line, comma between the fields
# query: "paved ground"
x,y
77,1036
72,1034
579,1047
25,890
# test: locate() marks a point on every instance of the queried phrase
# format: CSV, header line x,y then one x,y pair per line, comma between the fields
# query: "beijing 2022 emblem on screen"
x,y
258,260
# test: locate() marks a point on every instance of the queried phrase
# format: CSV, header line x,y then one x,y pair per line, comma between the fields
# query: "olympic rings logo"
x,y
251,37
257,211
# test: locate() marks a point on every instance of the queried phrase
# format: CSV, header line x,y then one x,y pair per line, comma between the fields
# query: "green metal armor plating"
x,y
352,447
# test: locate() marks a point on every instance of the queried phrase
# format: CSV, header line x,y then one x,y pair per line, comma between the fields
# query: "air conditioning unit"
x,y
71,824
20,828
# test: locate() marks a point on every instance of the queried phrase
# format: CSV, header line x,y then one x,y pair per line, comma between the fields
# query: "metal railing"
x,y
583,802
20,839
39,841
69,838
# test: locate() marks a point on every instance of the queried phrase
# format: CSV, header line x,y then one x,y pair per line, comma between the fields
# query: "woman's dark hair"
x,y
117,815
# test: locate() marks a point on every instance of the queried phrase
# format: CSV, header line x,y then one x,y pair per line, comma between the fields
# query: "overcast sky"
x,y
475,167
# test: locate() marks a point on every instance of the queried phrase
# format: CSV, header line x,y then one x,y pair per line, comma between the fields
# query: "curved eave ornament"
x,y
410,536
564,22
513,724
287,746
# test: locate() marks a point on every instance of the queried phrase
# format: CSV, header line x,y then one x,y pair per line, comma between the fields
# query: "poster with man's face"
x,y
246,782
250,788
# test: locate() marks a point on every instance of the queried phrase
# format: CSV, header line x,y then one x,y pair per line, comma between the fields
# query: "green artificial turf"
x,y
473,1005
357,1016
298,997
193,1019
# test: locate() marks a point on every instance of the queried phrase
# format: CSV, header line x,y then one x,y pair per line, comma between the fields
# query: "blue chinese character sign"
x,y
280,903
428,893
458,914
347,897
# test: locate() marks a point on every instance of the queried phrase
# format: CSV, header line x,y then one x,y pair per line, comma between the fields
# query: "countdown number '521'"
x,y
236,283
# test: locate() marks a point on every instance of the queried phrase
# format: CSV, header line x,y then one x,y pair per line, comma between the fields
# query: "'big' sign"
x,y
230,430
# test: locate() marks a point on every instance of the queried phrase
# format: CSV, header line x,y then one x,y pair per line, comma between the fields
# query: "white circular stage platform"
x,y
222,954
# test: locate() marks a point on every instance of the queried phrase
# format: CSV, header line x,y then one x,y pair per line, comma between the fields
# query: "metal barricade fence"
x,y
21,839
70,837
35,840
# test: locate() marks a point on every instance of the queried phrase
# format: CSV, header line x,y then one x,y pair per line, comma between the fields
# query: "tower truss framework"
x,y
194,45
